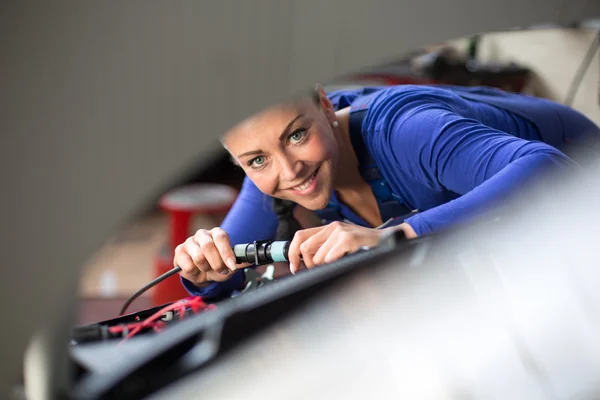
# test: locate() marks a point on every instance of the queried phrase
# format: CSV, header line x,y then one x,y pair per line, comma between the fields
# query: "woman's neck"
x,y
351,188
348,175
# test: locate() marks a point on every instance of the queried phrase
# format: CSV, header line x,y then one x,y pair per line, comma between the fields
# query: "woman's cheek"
x,y
314,150
326,148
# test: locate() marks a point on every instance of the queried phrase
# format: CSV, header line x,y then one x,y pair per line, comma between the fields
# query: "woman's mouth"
x,y
308,186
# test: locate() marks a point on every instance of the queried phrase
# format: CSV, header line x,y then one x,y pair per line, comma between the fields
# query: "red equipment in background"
x,y
182,204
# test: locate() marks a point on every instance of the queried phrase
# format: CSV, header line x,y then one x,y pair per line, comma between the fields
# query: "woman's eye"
x,y
297,136
257,162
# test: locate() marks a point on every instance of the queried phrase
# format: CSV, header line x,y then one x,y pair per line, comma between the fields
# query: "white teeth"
x,y
303,187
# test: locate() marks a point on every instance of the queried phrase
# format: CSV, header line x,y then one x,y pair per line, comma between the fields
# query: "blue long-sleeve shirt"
x,y
447,151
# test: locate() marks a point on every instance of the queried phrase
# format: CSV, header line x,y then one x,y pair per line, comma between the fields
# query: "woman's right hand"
x,y
206,257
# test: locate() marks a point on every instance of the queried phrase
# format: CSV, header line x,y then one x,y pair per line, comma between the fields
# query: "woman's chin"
x,y
317,203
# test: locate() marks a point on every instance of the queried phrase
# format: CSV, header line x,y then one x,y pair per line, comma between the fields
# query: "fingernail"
x,y
231,264
293,269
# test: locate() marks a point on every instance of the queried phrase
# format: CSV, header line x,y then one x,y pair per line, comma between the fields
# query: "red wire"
x,y
153,322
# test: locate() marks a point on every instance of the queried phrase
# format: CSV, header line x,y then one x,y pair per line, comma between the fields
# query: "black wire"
x,y
587,61
148,286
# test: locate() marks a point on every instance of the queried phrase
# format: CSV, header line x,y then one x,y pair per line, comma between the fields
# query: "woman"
x,y
419,158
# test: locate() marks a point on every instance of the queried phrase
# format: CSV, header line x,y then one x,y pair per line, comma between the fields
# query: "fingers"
x,y
210,251
206,256
306,244
324,249
295,252
185,262
337,236
329,243
223,246
213,276
313,245
335,252
194,250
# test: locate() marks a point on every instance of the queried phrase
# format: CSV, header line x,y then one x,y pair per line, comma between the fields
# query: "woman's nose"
x,y
290,168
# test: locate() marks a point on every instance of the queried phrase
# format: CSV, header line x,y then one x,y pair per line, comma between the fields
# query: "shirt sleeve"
x,y
250,218
445,151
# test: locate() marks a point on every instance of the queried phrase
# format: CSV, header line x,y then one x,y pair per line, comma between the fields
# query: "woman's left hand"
x,y
328,243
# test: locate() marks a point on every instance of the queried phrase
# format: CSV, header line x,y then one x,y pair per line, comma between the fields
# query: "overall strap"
x,y
391,205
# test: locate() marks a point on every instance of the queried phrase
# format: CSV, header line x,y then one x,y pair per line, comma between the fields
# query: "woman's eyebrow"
x,y
288,127
281,137
250,153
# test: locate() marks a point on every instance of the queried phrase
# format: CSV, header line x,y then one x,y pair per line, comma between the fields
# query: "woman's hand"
x,y
328,243
206,257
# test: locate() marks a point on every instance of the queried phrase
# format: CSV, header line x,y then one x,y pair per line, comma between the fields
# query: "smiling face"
x,y
289,151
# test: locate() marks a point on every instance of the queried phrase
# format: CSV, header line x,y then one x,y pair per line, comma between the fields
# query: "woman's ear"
x,y
321,96
324,102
